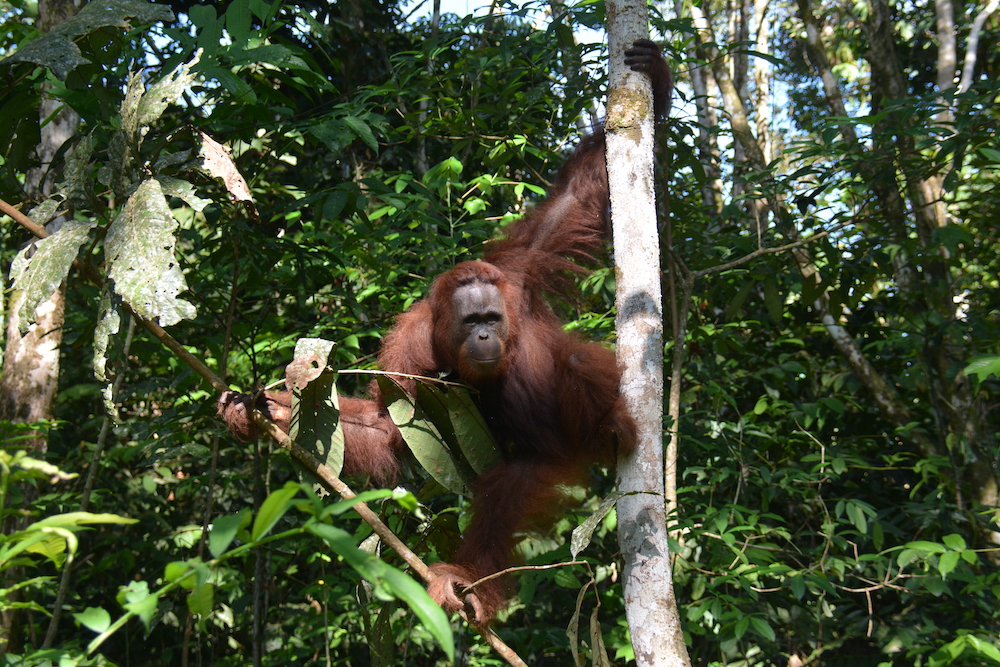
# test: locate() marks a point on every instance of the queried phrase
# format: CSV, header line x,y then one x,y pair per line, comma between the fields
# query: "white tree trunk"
x,y
649,598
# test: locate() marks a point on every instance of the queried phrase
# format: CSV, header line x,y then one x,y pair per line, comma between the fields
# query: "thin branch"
x,y
23,220
759,252
522,568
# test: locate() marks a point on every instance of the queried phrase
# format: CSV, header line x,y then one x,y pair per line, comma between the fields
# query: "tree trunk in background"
x,y
909,202
762,78
647,580
703,84
31,362
422,165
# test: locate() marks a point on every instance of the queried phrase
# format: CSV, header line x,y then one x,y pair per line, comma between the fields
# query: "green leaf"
x,y
990,154
925,547
935,586
316,424
857,517
878,536
762,628
50,545
140,249
422,437
736,304
985,648
342,506
94,618
954,541
165,92
984,367
183,190
145,609
473,436
180,568
583,533
363,130
39,269
238,22
433,403
741,627
57,49
273,508
773,301
201,600
106,343
224,530
81,519
135,591
798,586
947,562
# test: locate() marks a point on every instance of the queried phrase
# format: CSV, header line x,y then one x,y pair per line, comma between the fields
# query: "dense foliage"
x,y
819,521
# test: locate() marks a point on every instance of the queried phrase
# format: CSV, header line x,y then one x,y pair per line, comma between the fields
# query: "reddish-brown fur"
x,y
553,405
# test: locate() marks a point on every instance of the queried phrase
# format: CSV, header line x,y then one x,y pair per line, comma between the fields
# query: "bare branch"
x,y
760,252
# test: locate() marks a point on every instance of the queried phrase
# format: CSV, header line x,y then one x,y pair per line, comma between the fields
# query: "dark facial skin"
x,y
480,327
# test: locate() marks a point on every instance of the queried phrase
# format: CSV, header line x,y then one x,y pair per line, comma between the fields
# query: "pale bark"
x,y
422,165
731,99
817,53
947,52
887,202
736,29
646,576
969,64
762,78
703,84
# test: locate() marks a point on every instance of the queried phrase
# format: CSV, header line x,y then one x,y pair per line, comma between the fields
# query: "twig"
x,y
23,220
760,252
522,568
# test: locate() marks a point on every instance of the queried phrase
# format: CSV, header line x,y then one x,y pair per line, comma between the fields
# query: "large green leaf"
x,y
422,437
272,509
474,438
316,425
140,249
